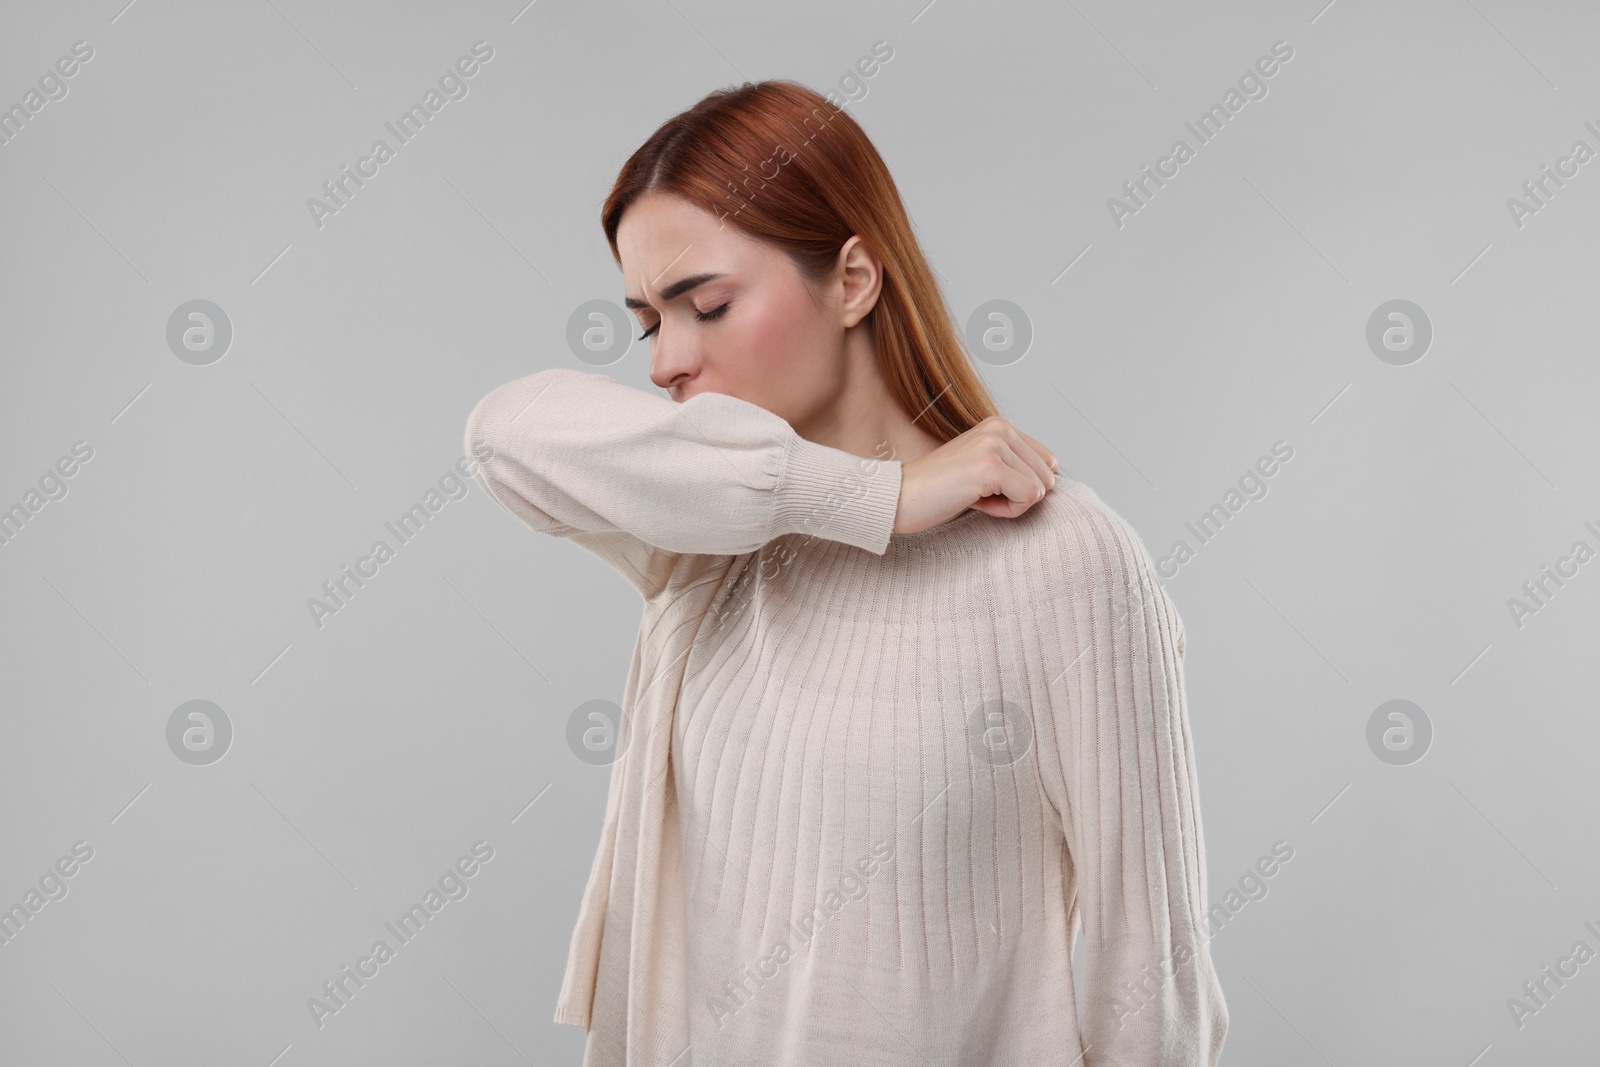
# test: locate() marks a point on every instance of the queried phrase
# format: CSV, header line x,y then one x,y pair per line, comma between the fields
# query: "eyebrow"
x,y
676,289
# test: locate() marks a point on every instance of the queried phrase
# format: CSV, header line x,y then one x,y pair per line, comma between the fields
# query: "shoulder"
x,y
1091,553
1082,536
1088,549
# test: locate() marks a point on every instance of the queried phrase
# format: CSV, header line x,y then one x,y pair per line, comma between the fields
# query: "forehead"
x,y
662,238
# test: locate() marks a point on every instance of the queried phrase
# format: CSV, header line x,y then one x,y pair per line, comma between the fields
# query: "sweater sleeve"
x,y
641,480
1117,761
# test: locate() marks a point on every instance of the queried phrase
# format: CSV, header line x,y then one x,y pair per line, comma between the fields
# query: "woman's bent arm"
x,y
641,480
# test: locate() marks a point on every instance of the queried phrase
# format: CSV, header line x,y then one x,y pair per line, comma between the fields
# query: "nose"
x,y
671,365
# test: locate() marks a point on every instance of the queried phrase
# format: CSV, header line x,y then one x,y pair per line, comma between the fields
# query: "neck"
x,y
865,420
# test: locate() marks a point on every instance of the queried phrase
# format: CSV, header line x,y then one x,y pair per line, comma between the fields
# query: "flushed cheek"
x,y
790,383
781,339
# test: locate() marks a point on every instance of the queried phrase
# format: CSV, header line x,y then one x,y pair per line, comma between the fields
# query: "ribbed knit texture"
x,y
875,781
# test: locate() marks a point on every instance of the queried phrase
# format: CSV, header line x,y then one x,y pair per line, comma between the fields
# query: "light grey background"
x,y
368,754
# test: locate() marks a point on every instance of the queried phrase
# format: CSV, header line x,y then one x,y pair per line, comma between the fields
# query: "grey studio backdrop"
x,y
1342,353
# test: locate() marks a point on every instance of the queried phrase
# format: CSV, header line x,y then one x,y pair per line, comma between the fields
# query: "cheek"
x,y
773,342
779,355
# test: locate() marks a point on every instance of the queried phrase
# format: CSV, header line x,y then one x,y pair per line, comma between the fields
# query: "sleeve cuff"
x,y
829,493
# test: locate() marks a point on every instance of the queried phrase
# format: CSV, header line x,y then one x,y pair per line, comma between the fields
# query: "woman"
x,y
904,707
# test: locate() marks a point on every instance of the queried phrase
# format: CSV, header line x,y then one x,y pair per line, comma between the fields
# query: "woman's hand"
x,y
993,467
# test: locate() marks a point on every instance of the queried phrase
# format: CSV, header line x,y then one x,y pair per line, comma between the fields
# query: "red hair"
x,y
786,166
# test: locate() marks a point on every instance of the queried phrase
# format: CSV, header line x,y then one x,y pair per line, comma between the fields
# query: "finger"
x,y
1035,455
1048,456
1024,485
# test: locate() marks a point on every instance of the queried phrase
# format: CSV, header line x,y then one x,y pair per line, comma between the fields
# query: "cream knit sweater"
x,y
875,781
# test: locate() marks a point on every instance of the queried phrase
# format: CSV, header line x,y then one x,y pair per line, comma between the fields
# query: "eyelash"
x,y
714,313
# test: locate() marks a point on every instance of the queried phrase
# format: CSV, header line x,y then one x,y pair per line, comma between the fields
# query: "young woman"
x,y
905,707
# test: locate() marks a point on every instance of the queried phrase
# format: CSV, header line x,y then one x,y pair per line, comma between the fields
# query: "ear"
x,y
862,279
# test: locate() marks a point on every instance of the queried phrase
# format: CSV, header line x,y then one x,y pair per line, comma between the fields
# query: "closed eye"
x,y
714,313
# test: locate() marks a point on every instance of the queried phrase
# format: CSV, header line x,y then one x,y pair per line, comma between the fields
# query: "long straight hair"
x,y
786,166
